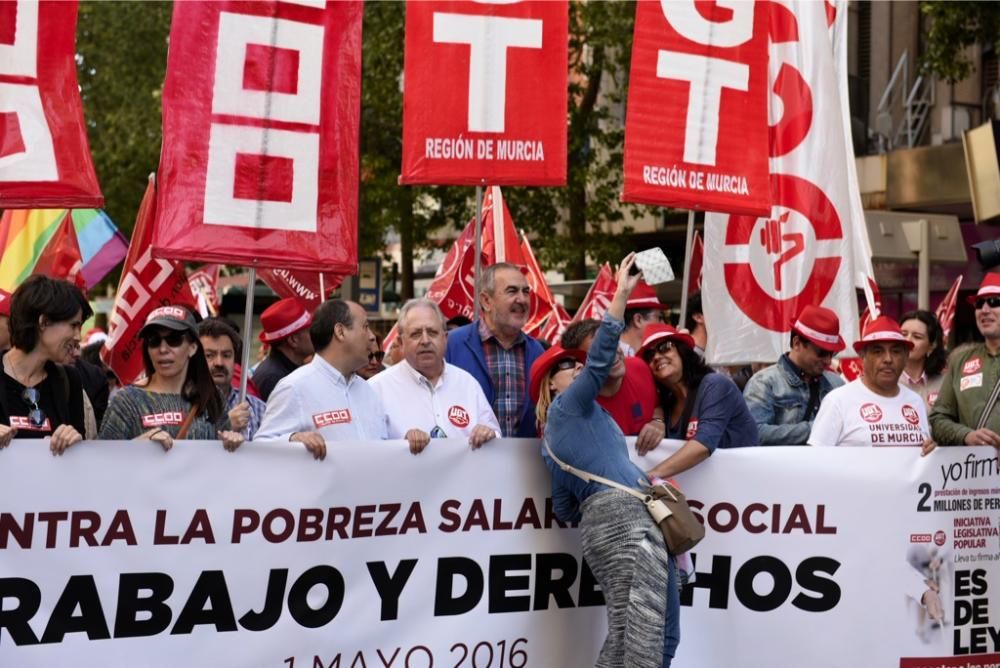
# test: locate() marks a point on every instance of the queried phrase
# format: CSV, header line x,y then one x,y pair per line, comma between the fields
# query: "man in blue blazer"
x,y
496,351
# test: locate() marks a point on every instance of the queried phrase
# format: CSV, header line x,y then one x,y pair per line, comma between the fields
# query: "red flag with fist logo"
x,y
261,108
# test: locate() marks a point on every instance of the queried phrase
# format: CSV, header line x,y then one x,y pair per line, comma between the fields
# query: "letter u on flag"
x,y
760,272
260,135
44,156
485,93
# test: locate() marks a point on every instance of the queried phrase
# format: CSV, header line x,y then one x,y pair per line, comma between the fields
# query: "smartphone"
x,y
654,265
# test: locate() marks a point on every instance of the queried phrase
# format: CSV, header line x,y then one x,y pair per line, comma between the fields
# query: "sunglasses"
x,y
822,353
173,339
36,415
438,432
992,302
564,364
376,357
661,348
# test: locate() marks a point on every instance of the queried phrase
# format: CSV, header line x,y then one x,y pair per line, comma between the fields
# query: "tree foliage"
x,y
122,59
953,26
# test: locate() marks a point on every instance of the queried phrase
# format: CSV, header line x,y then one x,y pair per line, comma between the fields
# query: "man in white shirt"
x,y
874,410
424,396
325,399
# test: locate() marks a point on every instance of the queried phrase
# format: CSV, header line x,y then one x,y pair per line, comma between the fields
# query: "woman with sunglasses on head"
x,y
701,407
178,398
40,397
925,366
621,543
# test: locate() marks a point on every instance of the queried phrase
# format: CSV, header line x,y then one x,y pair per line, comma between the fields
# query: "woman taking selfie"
x,y
40,397
178,398
621,543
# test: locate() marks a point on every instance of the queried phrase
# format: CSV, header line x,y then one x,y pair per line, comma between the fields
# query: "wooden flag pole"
x,y
479,248
687,270
247,330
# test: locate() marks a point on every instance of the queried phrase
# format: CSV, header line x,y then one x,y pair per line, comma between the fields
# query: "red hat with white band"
x,y
990,287
882,329
644,296
657,332
821,327
282,319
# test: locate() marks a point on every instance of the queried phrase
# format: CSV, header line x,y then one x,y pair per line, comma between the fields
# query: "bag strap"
x,y
186,425
590,477
991,403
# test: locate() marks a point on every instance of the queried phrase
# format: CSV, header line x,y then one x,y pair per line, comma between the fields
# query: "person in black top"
x,y
41,398
286,330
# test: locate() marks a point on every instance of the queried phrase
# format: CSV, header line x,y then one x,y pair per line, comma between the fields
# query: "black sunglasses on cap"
x,y
992,302
663,347
173,339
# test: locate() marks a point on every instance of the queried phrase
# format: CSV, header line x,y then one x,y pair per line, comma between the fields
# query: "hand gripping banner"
x,y
260,135
696,129
485,93
44,156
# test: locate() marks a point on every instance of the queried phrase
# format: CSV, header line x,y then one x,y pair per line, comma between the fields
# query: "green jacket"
x,y
957,411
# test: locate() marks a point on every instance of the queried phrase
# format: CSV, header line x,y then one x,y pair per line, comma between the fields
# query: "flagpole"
x,y
322,289
247,327
479,248
687,269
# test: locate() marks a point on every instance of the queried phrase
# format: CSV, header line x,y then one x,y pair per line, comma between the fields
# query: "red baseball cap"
x,y
821,327
644,296
282,319
882,329
990,287
657,332
548,360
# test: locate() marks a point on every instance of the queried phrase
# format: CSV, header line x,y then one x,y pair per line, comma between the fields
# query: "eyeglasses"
x,y
36,415
438,432
564,364
376,357
822,353
661,348
992,302
173,339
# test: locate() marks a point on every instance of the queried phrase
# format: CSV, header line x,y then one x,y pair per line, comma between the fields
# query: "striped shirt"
x,y
506,367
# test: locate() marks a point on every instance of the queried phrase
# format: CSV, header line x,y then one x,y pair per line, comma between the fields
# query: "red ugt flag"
x,y
44,156
485,93
696,130
260,135
146,283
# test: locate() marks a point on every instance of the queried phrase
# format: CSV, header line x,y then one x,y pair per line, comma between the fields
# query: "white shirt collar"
x,y
420,378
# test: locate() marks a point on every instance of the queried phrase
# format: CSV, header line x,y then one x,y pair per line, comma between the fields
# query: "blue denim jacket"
x,y
777,398
584,435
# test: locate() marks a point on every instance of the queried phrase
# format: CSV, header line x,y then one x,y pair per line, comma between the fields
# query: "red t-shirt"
x,y
633,406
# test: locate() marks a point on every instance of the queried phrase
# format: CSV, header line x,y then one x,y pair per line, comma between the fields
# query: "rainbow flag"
x,y
24,234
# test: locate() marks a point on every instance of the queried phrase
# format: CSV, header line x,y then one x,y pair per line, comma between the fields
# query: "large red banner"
x,y
696,132
260,135
44,156
485,93
146,283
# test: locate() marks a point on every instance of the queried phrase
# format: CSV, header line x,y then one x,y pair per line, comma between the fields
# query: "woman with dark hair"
x,y
178,398
40,397
703,408
925,366
622,545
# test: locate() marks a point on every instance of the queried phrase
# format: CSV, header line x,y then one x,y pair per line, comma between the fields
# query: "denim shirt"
x,y
581,433
777,398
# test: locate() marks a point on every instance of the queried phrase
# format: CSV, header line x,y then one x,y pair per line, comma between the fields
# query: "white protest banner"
x,y
761,272
814,557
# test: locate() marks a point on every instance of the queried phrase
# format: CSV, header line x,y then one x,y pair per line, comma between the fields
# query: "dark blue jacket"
x,y
465,351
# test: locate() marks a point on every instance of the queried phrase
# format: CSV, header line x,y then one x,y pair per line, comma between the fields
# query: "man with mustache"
x,y
874,410
425,397
966,411
496,351
221,342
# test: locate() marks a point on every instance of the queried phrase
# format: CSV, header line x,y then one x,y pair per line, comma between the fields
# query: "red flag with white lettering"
x,y
946,309
300,285
44,155
696,128
485,93
599,297
146,283
260,135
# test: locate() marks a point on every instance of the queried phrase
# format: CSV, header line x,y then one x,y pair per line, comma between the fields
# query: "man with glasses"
x,y
784,399
966,411
424,396
643,308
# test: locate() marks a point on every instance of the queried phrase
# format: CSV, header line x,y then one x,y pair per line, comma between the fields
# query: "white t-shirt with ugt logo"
x,y
853,415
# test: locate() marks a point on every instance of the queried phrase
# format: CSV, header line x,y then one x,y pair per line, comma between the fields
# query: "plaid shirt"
x,y
257,408
506,367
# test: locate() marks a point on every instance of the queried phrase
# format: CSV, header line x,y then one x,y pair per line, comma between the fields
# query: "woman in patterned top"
x,y
178,399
